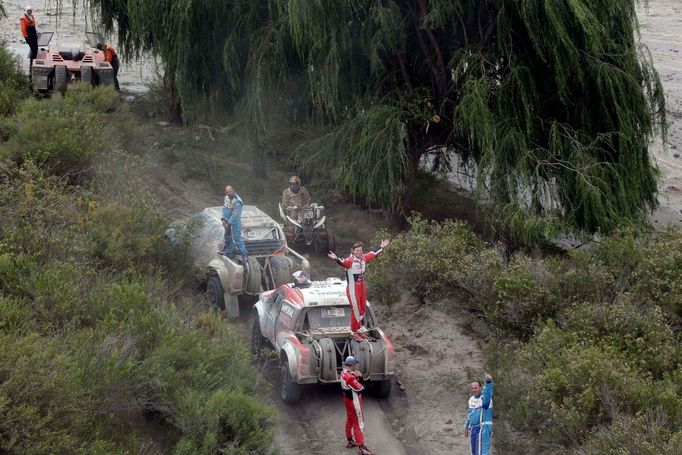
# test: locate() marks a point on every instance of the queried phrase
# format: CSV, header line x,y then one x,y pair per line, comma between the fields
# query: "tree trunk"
x,y
408,196
174,108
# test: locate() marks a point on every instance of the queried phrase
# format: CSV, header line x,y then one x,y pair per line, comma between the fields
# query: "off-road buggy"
x,y
56,65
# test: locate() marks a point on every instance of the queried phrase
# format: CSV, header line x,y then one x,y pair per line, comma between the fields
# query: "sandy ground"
x,y
661,30
69,28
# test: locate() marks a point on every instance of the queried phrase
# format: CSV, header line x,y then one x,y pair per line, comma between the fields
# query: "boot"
x,y
364,450
350,443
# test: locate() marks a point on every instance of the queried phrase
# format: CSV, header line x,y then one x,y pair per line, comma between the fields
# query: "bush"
x,y
13,84
431,259
63,134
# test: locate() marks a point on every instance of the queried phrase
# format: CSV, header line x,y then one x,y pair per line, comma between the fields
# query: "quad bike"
x,y
309,228
58,64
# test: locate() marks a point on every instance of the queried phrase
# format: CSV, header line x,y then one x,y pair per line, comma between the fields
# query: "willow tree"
x,y
552,102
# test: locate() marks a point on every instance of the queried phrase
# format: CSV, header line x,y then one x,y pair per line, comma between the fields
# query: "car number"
x,y
333,312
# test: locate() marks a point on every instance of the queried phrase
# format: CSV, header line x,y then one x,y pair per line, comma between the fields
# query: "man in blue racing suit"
x,y
232,222
479,421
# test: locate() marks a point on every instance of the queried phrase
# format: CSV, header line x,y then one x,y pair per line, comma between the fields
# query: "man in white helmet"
x,y
302,280
352,389
29,32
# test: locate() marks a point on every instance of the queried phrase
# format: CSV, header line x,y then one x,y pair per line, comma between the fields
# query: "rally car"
x,y
309,328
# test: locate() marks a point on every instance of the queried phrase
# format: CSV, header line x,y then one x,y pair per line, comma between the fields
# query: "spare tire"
x,y
280,271
253,276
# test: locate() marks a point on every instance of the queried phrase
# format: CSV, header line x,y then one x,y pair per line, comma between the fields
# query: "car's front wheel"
x,y
290,390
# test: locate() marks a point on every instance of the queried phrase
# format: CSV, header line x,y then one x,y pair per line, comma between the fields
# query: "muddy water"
x,y
134,76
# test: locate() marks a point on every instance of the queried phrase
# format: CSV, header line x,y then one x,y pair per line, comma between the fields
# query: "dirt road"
x,y
434,357
661,30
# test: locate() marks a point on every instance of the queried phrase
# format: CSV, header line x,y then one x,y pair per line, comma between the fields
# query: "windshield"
x,y
324,317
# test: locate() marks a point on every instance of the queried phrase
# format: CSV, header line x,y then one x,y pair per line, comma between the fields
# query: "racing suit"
x,y
355,290
297,199
232,213
480,420
352,398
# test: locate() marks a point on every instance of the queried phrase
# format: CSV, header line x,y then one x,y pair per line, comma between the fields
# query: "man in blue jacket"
x,y
479,421
232,222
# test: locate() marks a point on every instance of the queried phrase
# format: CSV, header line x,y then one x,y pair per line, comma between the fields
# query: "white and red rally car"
x,y
309,328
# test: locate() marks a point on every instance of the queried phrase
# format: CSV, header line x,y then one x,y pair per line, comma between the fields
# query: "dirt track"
x,y
433,360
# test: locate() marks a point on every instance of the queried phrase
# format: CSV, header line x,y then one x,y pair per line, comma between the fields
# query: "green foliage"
x,y
129,237
588,359
13,84
99,347
554,104
442,257
63,134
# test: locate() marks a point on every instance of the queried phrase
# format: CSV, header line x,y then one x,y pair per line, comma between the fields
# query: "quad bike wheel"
x,y
60,79
325,242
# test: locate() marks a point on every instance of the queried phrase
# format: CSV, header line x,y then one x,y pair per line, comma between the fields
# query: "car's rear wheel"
x,y
215,293
87,75
382,389
257,339
60,79
290,390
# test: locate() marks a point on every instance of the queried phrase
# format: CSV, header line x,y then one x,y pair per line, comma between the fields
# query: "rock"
x,y
164,123
676,155
449,422
447,429
402,388
155,144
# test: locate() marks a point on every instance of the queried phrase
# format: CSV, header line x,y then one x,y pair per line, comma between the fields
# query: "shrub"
x,y
433,258
63,134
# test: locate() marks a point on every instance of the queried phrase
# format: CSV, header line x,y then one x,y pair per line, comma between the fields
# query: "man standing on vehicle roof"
x,y
111,57
352,397
355,265
480,416
28,30
232,222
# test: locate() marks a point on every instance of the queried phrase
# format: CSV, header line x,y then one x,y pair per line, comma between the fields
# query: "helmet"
x,y
300,274
350,360
295,179
29,8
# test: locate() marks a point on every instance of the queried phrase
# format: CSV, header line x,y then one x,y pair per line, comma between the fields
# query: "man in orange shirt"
x,y
111,57
28,30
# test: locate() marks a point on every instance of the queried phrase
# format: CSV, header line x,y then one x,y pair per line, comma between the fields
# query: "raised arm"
x,y
377,251
487,391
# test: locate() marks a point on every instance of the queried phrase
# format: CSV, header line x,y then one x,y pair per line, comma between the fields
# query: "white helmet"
x,y
29,8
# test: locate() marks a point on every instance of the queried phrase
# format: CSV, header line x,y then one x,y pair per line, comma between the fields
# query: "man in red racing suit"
x,y
352,398
355,290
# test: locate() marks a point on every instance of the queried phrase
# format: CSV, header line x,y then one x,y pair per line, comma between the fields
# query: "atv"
x,y
58,64
309,228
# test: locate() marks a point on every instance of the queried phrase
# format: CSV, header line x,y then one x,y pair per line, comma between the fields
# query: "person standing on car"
x,y
356,292
232,222
294,197
352,388
29,32
111,57
479,421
